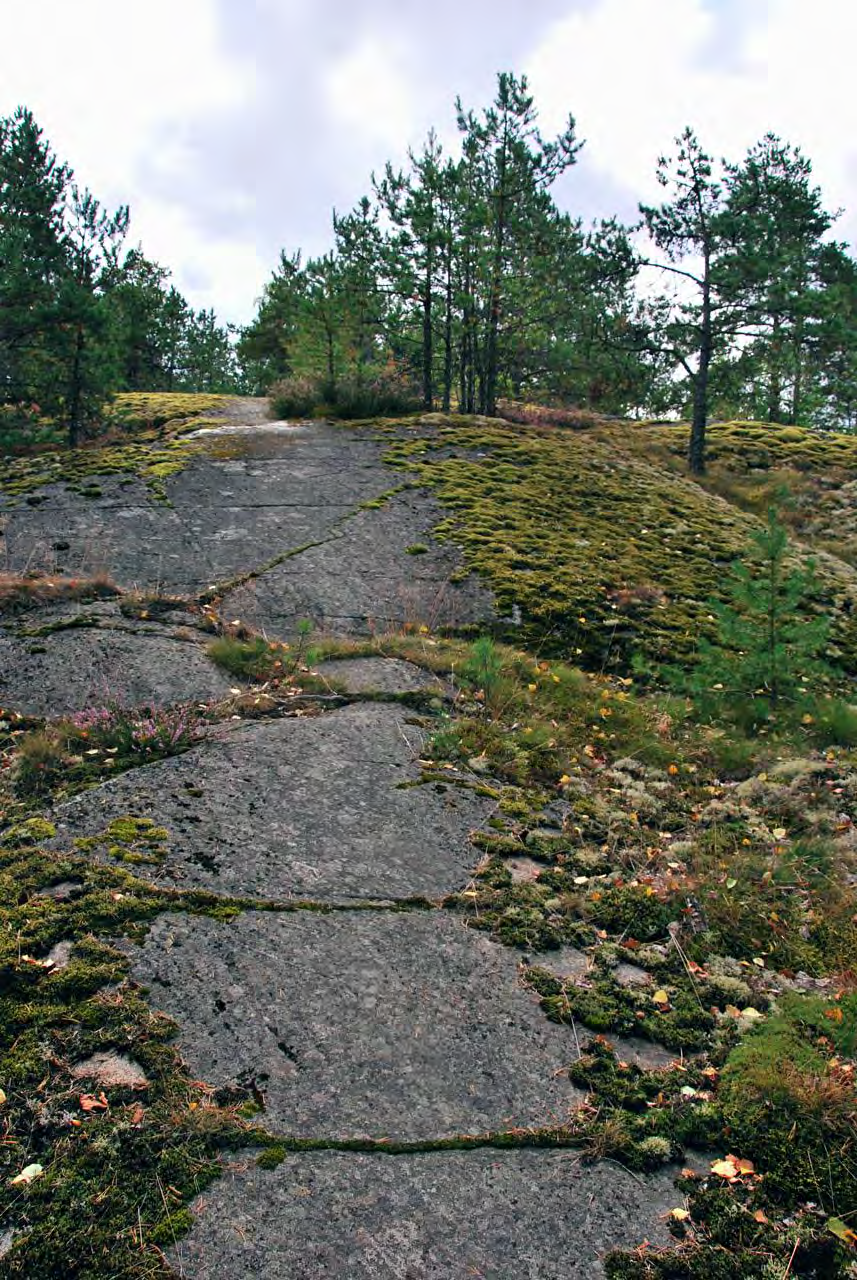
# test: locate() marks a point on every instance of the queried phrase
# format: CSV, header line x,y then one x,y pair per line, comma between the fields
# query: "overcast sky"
x,y
231,127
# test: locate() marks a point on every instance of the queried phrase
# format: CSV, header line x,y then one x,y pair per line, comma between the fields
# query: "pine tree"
x,y
691,228
509,171
267,346
92,239
770,646
777,222
33,187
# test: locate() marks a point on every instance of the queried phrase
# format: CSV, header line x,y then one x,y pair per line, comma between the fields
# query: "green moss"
x,y
31,831
784,1092
158,423
604,1006
143,1159
603,560
636,912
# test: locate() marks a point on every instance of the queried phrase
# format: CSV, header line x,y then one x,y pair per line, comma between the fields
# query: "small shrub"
x,y
295,397
18,593
733,757
540,415
71,750
386,393
834,723
23,428
39,763
769,645
484,671
444,744
245,659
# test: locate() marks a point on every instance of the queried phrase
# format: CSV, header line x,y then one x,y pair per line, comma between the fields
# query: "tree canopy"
x,y
461,280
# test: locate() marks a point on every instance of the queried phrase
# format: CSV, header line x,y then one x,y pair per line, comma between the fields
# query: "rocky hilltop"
x,y
370,905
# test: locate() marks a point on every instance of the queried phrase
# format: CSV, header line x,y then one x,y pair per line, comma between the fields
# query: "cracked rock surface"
x,y
364,579
346,999
68,670
361,1024
310,808
502,1215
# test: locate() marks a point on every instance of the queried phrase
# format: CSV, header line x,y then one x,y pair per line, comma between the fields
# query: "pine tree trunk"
x,y
696,452
489,387
447,339
775,388
797,385
428,350
75,399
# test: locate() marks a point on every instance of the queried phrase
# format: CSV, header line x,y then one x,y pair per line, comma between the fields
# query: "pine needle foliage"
x,y
769,653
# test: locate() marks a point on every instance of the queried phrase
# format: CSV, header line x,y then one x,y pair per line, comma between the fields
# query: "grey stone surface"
x,y
378,1023
636,1050
524,870
631,975
314,808
247,498
111,1069
564,962
381,675
363,580
510,1215
70,670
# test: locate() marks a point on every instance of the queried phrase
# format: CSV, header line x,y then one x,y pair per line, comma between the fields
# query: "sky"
x,y
233,127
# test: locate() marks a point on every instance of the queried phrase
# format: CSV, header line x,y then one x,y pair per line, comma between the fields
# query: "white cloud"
x,y
635,75
230,127
114,87
368,93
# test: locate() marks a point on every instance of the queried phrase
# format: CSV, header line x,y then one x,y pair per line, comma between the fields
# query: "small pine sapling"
x,y
770,647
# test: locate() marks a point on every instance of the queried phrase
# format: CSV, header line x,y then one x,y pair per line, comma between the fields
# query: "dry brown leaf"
x,y
89,1102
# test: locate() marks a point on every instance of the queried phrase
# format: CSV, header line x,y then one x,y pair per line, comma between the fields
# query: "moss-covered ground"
x,y
751,463
728,900
142,436
597,547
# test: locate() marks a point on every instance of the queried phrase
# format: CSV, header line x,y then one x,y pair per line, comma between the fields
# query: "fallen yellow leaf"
x,y
26,1176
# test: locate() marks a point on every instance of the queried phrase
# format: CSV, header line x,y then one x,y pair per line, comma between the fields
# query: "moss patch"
x,y
119,1165
602,554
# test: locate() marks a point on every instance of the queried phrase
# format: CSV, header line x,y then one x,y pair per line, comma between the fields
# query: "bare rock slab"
x,y
261,490
381,675
366,581
70,670
497,1215
312,808
111,1069
373,1024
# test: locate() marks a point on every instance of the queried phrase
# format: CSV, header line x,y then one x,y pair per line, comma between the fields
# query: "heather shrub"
x,y
295,397
383,393
539,415
113,737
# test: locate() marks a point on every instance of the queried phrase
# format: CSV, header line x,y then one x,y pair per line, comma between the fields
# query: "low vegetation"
x,y
385,393
139,436
63,755
22,592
